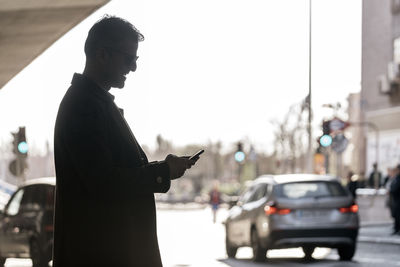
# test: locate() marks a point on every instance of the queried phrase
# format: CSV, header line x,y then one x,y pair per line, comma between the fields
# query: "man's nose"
x,y
133,66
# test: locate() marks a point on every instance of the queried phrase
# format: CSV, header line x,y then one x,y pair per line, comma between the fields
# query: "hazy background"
x,y
208,70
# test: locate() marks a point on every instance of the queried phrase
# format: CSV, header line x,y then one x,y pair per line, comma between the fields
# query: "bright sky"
x,y
208,70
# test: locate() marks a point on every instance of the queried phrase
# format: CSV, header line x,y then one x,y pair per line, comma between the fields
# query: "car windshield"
x,y
309,189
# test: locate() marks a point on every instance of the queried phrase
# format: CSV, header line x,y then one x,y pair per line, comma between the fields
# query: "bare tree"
x,y
290,138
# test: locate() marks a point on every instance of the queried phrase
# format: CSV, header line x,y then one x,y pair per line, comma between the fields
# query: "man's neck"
x,y
96,78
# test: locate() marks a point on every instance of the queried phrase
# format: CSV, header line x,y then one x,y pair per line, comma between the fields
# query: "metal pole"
x,y
377,148
309,130
326,153
376,143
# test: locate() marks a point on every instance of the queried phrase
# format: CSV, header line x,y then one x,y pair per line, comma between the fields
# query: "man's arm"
x,y
87,144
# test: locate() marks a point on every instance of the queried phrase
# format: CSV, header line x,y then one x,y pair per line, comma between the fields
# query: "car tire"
x,y
308,251
230,248
347,252
2,261
38,257
259,252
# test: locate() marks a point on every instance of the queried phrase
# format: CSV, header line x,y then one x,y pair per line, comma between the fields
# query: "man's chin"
x,y
119,84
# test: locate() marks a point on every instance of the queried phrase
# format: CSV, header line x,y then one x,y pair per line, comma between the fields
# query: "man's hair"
x,y
109,31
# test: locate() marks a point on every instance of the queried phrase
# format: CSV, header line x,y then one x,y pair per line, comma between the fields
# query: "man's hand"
x,y
178,165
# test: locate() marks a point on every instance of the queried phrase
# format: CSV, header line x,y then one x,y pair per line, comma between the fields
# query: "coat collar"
x,y
82,81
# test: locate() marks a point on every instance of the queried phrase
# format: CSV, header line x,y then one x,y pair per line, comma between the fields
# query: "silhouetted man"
x,y
105,212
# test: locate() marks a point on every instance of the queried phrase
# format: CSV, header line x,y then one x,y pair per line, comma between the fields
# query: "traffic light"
x,y
20,146
20,149
239,155
326,130
239,146
325,140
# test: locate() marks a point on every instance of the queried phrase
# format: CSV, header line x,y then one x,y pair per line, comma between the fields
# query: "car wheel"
x,y
259,252
346,253
2,261
230,248
37,256
308,251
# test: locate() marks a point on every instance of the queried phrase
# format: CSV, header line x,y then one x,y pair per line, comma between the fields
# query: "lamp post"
x,y
309,128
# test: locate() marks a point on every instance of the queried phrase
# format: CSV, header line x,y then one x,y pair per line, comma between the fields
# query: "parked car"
x,y
297,210
26,224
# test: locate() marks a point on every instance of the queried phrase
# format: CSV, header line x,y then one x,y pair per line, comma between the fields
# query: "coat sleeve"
x,y
395,185
87,145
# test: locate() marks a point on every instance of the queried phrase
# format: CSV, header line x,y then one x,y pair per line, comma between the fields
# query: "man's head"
x,y
375,166
111,49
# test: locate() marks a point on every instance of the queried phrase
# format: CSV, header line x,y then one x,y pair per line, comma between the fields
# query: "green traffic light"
x,y
325,140
23,147
239,156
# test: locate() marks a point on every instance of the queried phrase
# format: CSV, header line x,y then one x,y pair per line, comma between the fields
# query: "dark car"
x,y
26,224
298,210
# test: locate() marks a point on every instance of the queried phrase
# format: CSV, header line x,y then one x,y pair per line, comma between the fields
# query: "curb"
x,y
373,224
385,239
180,206
379,240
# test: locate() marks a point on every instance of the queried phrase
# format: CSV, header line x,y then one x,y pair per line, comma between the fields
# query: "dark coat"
x,y
105,211
395,194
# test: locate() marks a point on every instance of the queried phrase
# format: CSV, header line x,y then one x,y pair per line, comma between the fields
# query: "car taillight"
x,y
269,210
352,208
49,228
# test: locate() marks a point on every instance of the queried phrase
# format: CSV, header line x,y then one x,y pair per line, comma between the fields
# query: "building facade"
x,y
380,84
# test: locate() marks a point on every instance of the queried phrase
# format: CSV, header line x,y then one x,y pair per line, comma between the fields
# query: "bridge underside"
x,y
29,27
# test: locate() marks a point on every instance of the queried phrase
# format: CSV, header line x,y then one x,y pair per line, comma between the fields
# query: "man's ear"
x,y
102,56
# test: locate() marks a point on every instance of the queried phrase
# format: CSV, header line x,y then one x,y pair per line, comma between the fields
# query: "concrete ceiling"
x,y
29,27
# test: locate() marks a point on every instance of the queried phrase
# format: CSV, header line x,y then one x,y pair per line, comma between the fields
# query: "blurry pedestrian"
x,y
388,182
375,178
215,200
352,183
105,211
395,196
361,181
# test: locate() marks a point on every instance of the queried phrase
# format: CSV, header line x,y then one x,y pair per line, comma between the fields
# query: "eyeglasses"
x,y
129,59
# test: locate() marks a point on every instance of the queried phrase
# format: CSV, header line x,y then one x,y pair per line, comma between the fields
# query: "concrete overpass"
x,y
29,27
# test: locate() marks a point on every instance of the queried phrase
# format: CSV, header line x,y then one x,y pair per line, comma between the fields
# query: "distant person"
x,y
352,183
215,200
395,194
105,210
391,174
375,178
361,181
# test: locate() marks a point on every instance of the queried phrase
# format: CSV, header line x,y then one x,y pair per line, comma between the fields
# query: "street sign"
x,y
339,143
337,125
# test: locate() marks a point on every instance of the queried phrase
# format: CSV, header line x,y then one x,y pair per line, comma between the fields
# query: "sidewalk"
x,y
378,233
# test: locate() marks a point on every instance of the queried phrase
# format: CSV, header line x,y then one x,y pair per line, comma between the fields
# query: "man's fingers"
x,y
194,159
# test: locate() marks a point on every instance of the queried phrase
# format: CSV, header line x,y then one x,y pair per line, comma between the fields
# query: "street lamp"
x,y
309,129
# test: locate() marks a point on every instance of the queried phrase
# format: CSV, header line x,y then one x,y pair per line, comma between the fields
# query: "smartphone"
x,y
196,155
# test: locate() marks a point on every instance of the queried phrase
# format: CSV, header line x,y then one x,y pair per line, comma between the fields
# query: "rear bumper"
x,y
332,238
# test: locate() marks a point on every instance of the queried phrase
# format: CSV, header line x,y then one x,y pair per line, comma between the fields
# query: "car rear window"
x,y
310,189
